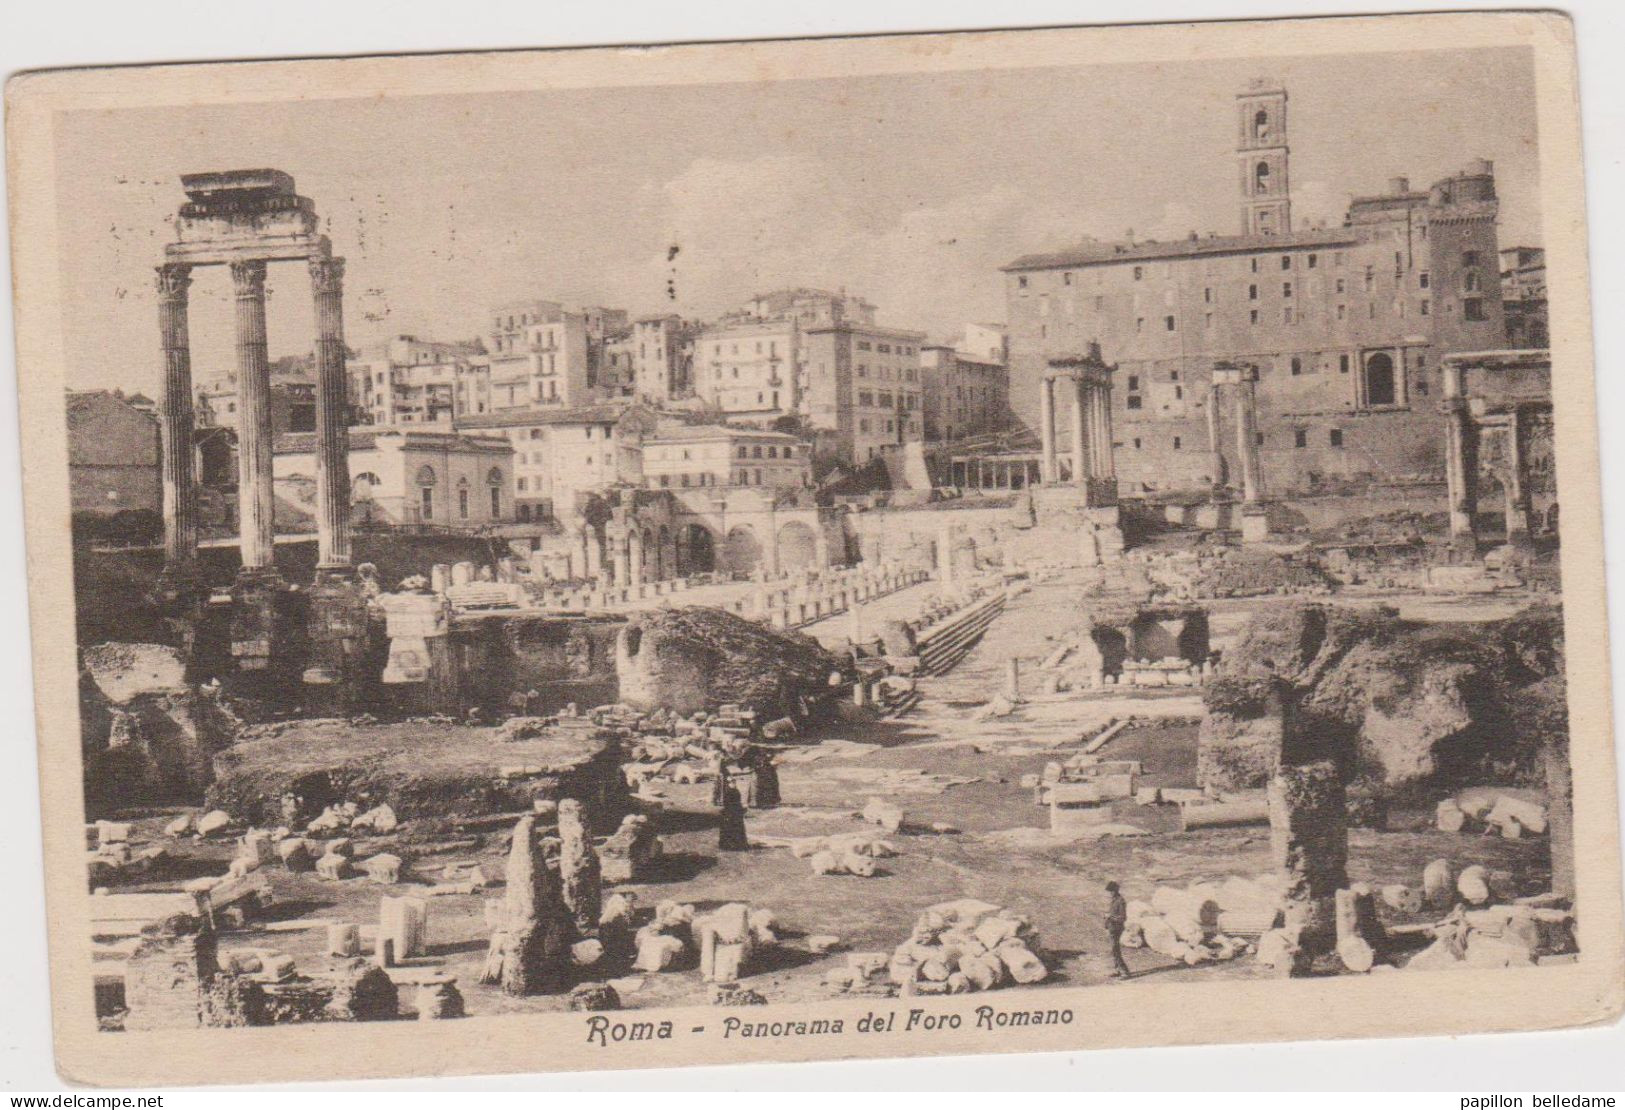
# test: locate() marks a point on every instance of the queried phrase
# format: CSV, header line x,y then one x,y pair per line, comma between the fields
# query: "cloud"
x,y
780,220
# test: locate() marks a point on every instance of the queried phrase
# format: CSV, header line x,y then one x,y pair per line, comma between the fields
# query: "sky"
x,y
910,190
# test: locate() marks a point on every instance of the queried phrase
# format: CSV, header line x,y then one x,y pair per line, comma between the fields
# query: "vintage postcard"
x,y
943,543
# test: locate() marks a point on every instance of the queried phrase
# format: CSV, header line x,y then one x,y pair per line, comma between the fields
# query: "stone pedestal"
x,y
337,631
1255,524
258,628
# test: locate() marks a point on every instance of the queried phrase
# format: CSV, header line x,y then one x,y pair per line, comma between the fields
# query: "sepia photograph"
x,y
886,546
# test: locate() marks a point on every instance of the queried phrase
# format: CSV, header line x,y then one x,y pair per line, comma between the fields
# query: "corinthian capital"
x,y
249,277
173,280
327,274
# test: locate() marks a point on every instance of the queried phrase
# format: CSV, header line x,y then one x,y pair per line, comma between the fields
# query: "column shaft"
x,y
1080,435
256,499
176,424
1247,443
1214,444
1108,449
332,418
1046,431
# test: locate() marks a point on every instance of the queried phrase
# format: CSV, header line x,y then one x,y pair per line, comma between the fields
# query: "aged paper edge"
x,y
1591,991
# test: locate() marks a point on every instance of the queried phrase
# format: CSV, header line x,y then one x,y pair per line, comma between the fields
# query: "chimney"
x,y
1397,185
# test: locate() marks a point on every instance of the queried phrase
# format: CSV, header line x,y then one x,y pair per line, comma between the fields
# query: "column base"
x,y
338,631
334,572
179,587
1255,524
256,626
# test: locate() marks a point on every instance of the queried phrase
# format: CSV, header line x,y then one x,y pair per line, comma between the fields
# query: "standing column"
x,y
1080,435
332,420
1460,468
1247,443
1046,431
1516,488
593,547
1215,449
255,494
180,488
622,557
634,553
1108,448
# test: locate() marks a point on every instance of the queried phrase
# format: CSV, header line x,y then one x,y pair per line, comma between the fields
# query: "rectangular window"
x,y
1286,262
1253,317
1342,311
1252,292
1286,315
1472,308
1341,286
1132,401
1139,272
496,502
1336,437
1207,295
1422,279
1300,438
1255,265
428,503
1133,383
1312,261
1168,323
1139,323
1469,258
1179,393
1342,364
1424,308
1136,443
1176,443
1066,278
1021,281
1286,289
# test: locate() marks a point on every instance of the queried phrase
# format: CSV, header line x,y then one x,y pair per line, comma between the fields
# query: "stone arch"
x,y
696,550
798,547
1151,639
742,551
1261,178
1381,384
1113,648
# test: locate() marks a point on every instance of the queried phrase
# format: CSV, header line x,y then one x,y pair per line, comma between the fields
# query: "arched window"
x,y
1261,125
1261,178
425,476
1470,281
493,477
1379,380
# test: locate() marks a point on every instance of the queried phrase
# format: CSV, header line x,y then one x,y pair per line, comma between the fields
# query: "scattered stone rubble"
x,y
955,948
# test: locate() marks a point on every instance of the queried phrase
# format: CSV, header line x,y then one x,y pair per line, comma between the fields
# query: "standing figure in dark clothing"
x,y
731,831
719,778
1116,922
767,777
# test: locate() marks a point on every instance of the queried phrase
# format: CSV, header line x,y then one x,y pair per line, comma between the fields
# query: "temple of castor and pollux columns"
x,y
246,220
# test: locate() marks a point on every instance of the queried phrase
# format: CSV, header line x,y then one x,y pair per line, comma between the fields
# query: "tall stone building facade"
x,y
1342,331
820,357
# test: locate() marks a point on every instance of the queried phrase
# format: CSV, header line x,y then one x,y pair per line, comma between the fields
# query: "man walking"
x,y
1116,921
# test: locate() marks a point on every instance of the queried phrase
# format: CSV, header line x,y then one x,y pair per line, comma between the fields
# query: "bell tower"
x,y
1261,153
